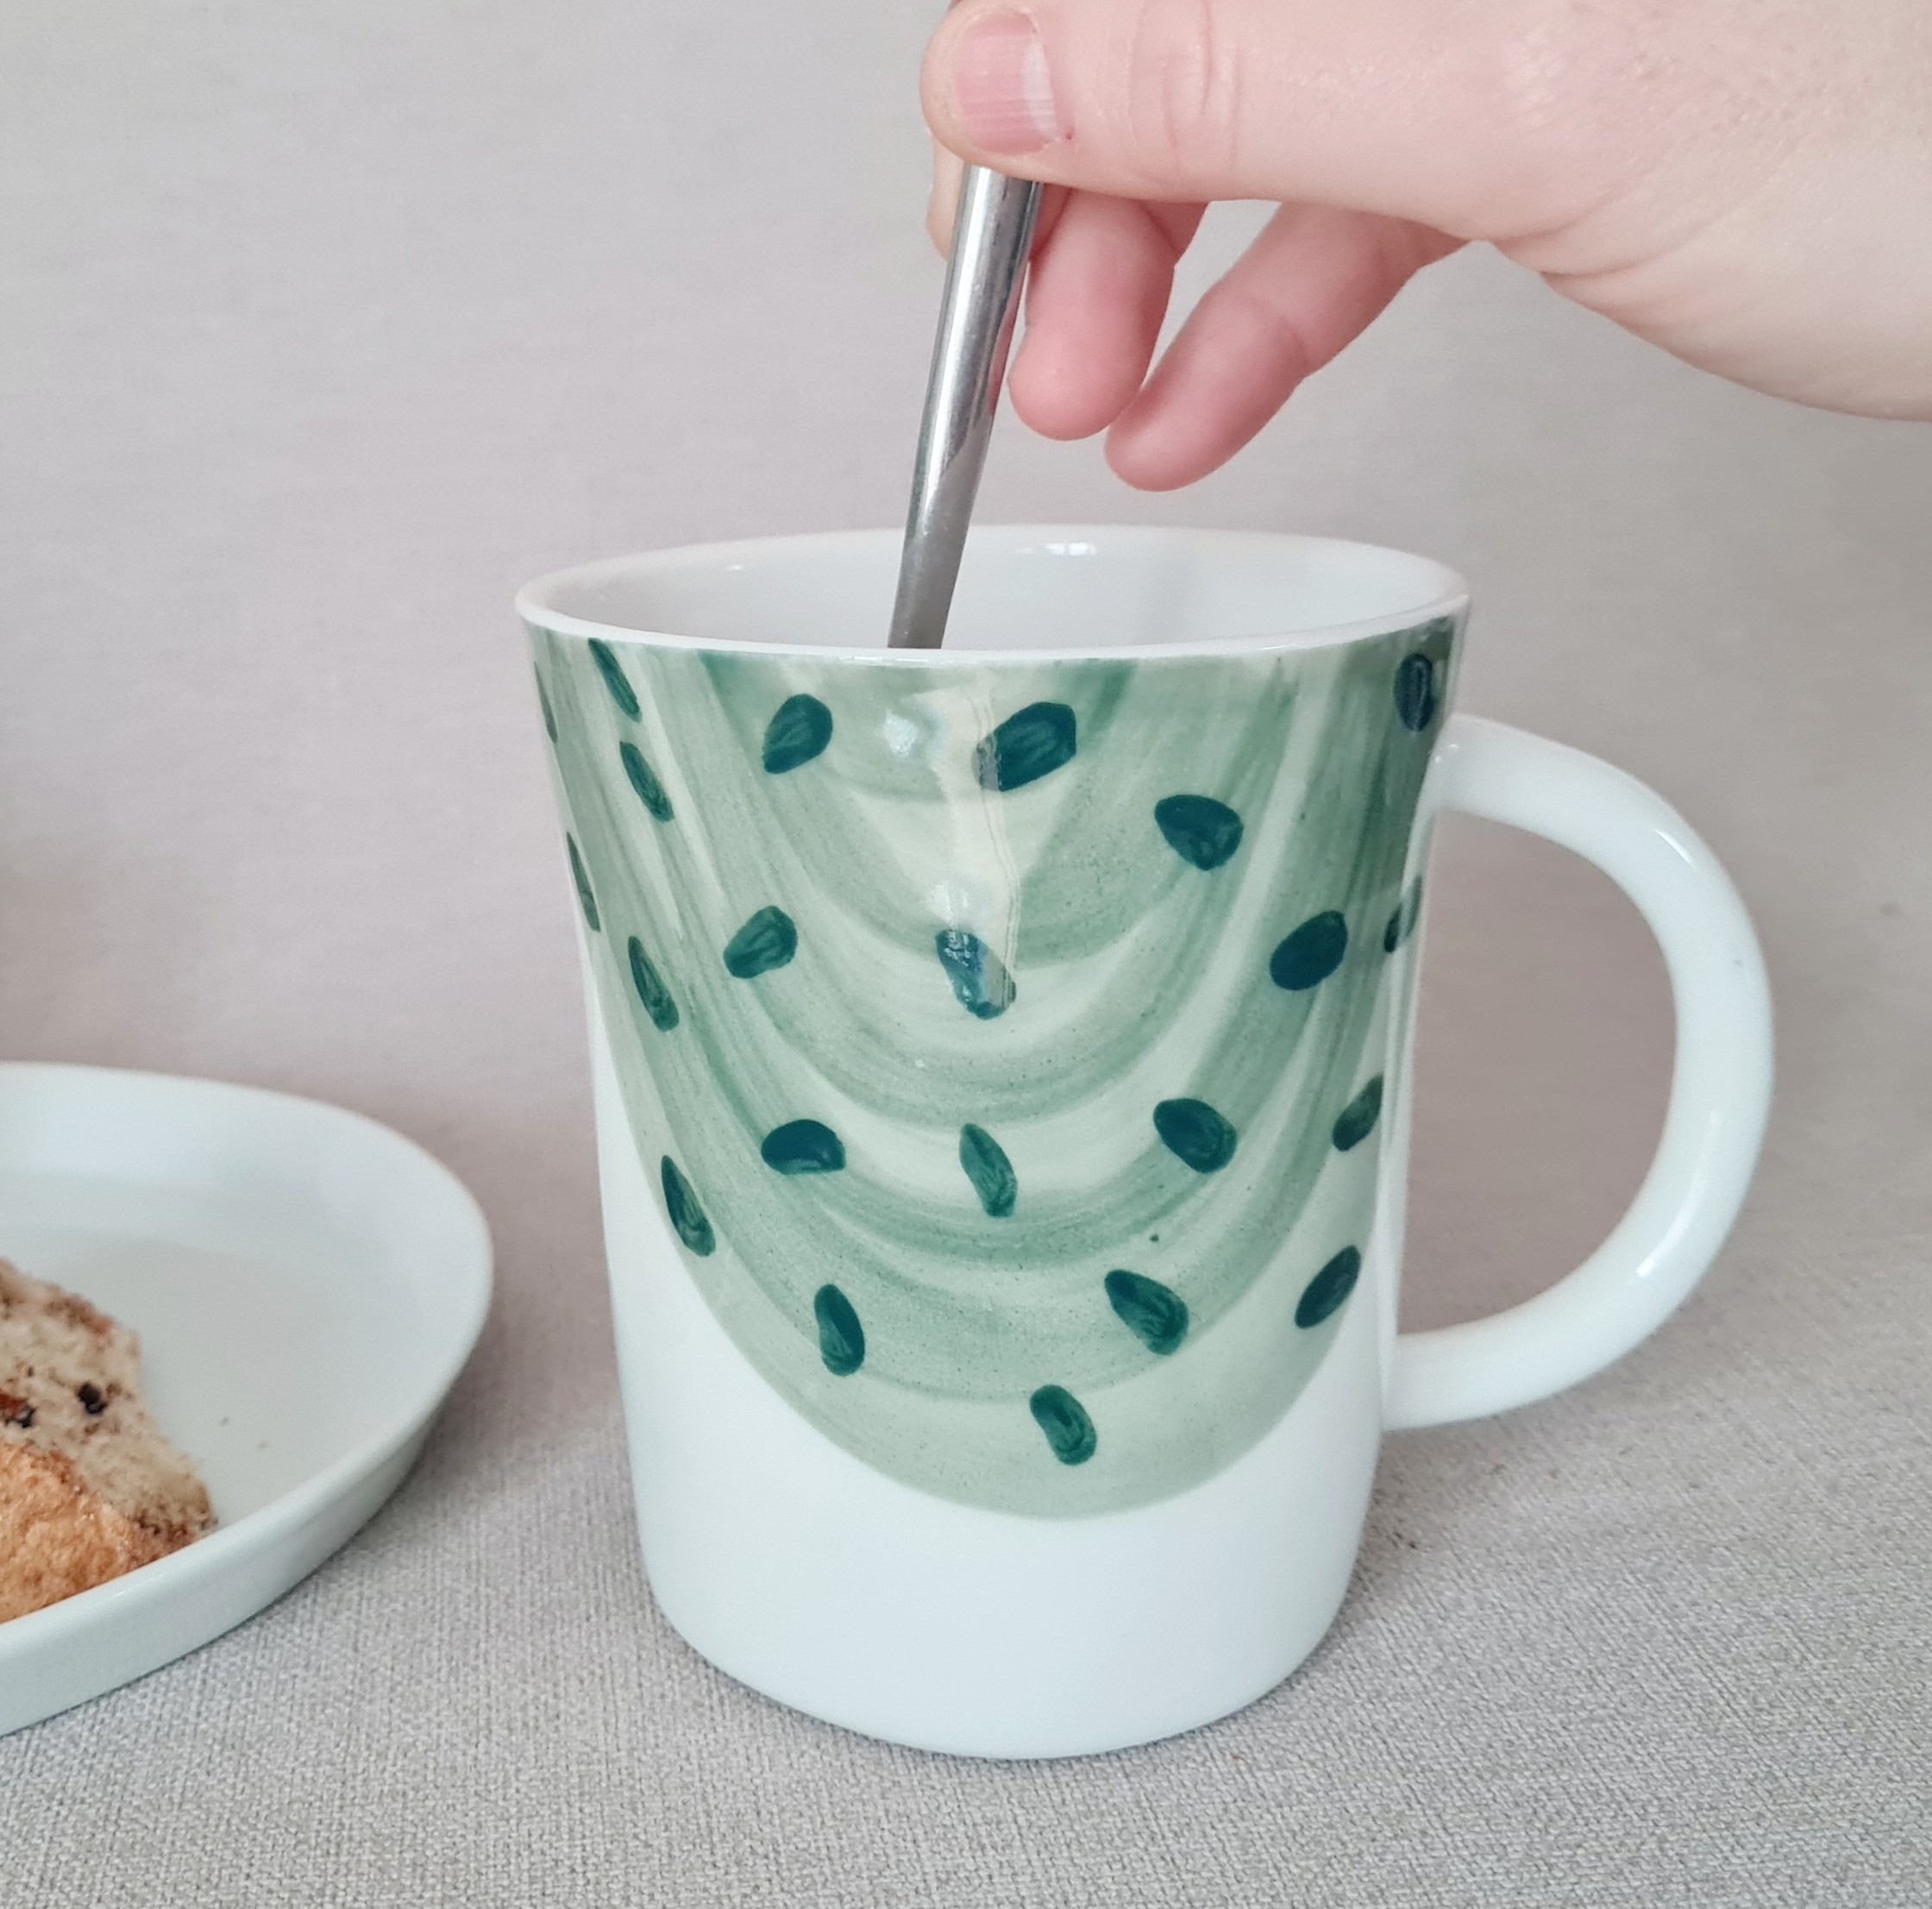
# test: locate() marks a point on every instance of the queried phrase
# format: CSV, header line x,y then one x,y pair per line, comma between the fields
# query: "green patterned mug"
x,y
1002,1058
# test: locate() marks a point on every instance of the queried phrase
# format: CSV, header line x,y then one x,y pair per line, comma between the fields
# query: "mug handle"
x,y
1720,1081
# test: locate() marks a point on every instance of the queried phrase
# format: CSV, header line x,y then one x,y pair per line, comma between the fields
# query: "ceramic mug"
x,y
1001,1059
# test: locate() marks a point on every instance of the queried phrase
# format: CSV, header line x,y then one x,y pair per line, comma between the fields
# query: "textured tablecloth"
x,y
324,328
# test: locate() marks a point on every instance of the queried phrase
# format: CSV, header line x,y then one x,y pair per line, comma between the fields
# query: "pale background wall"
x,y
324,328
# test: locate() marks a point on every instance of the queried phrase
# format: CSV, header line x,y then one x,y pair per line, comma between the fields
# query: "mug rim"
x,y
535,601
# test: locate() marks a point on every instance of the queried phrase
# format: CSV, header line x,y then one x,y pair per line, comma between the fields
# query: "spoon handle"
x,y
991,236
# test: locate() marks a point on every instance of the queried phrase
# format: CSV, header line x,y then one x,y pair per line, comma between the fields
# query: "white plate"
x,y
306,1285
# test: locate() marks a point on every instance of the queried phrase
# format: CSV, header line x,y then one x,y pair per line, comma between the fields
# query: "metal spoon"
x,y
991,236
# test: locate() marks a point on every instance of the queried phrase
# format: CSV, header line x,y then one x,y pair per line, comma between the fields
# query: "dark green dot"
x,y
1196,1133
799,731
1063,1419
651,991
1311,954
1415,694
1401,923
803,1147
544,703
651,791
1357,1120
687,1217
990,1170
1198,828
1031,743
582,880
615,680
1324,1293
980,982
768,940
1156,1315
841,1338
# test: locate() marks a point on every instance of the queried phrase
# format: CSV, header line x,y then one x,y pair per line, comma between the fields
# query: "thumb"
x,y
1389,106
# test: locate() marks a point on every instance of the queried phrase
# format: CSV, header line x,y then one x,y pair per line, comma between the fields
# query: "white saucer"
x,y
306,1285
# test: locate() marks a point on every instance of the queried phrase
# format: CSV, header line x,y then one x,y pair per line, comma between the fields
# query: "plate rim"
x,y
289,1512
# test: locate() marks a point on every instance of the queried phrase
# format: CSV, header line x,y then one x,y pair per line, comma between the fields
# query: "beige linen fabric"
x,y
327,326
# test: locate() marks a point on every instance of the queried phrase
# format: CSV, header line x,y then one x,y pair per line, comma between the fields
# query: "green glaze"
x,y
841,1337
651,991
686,1216
615,680
1322,1297
1402,924
981,983
1415,697
990,1170
797,732
1194,1132
768,940
1308,957
803,1147
1357,1120
1156,1315
1031,743
1199,829
643,779
586,899
1070,1431
993,984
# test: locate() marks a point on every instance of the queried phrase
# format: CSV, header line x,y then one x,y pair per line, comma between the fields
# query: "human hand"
x,y
1747,183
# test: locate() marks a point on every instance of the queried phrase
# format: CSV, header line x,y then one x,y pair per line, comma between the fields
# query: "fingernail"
x,y
1002,89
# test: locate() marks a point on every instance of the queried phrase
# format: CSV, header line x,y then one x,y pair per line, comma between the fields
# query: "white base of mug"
x,y
802,1572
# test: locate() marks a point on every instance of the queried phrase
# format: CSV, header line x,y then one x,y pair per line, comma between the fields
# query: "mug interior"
x,y
1029,590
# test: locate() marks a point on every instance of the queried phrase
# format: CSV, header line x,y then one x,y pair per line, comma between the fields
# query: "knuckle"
x,y
1183,96
1525,83
1552,84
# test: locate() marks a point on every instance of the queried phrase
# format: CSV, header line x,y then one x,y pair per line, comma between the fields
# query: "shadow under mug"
x,y
1001,1059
